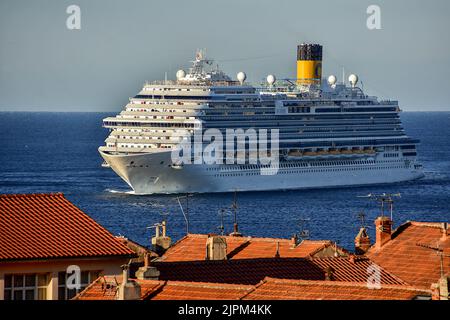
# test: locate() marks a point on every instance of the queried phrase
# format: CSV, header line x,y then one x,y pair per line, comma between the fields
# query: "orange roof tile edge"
x,y
52,211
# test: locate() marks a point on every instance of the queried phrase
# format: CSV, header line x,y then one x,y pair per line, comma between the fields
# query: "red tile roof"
x,y
36,226
282,289
354,269
177,290
412,253
241,271
105,288
193,247
252,271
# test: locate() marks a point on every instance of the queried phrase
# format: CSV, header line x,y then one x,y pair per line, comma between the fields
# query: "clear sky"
x,y
44,66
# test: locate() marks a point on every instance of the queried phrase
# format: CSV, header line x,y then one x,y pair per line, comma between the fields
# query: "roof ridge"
x,y
427,224
208,284
344,284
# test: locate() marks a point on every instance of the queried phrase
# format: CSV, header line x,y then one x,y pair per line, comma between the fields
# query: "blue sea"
x,y
57,152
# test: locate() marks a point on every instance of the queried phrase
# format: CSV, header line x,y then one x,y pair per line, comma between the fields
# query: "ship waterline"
x,y
154,174
328,134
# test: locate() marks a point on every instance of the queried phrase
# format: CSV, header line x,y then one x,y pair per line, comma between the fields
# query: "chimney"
x,y
216,248
444,231
435,291
147,272
128,290
329,272
383,231
277,253
440,289
161,242
294,241
235,232
443,288
362,241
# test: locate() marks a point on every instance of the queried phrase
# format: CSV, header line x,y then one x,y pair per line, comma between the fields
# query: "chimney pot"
x,y
277,253
362,241
294,241
161,242
128,290
164,228
124,273
444,231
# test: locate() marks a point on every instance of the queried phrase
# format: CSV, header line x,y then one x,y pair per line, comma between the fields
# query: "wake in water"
x,y
120,191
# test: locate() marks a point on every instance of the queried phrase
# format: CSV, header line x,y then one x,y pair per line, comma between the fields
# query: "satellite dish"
x,y
271,79
353,79
332,80
180,74
241,76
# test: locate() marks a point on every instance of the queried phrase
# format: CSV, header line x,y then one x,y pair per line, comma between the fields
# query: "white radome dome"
x,y
332,80
181,74
353,79
241,76
271,79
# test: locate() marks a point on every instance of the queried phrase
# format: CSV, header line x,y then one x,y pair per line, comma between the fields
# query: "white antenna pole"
x,y
343,75
184,215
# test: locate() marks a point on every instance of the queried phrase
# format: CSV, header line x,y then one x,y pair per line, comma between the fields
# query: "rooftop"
x,y
252,271
414,253
105,288
282,289
192,248
42,226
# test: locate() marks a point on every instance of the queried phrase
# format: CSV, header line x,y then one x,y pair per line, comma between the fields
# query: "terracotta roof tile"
x,y
354,269
177,290
282,289
412,253
192,248
252,271
36,226
105,288
241,271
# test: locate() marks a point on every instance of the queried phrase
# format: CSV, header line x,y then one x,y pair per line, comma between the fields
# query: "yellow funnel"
x,y
309,63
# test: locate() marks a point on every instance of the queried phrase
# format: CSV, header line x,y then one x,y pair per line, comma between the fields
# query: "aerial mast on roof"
x,y
222,213
383,199
362,218
185,213
304,233
234,207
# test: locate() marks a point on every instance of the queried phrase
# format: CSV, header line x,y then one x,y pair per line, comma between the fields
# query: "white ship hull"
x,y
152,173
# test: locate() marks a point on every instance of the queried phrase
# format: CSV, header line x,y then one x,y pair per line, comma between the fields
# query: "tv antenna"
x,y
222,212
185,212
234,207
439,251
362,218
385,199
304,232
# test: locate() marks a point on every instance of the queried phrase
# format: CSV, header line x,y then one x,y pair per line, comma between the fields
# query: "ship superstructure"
x,y
330,134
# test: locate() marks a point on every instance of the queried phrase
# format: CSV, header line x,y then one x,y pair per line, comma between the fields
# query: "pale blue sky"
x,y
45,66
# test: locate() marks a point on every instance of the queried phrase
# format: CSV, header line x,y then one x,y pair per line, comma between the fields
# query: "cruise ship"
x,y
330,133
